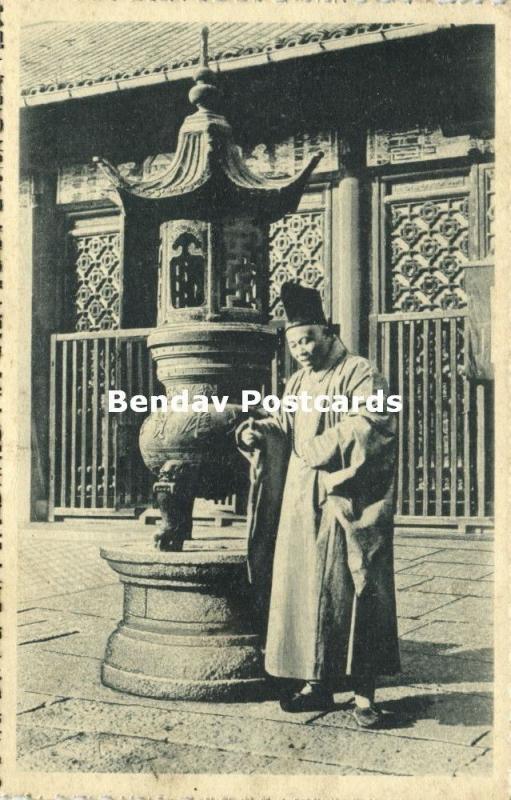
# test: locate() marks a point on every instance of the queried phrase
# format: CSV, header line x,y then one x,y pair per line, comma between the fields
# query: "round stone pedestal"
x,y
186,631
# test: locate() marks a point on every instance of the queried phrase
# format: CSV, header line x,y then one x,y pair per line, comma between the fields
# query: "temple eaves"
x,y
90,73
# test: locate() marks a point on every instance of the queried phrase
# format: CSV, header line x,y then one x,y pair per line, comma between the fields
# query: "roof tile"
x,y
60,55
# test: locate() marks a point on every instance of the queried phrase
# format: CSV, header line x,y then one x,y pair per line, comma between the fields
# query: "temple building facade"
x,y
395,228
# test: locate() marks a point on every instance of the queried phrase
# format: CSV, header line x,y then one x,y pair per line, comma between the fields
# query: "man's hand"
x,y
250,436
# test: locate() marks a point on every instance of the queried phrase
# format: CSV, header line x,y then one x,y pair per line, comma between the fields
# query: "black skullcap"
x,y
302,305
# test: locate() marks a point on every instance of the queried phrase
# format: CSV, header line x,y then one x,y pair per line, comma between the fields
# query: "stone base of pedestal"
x,y
186,631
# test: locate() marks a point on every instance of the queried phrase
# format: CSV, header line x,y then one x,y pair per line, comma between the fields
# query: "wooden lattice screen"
x,y
300,249
427,230
95,462
445,429
95,255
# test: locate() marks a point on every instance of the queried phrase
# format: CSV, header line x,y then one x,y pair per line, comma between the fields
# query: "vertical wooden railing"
x,y
445,457
95,464
444,473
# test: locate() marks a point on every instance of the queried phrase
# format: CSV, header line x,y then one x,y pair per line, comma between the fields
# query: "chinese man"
x,y
322,481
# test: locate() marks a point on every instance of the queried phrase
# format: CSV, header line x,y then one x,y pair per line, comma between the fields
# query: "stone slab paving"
x,y
237,734
29,701
471,640
72,567
413,552
105,602
481,764
416,604
462,556
455,715
90,641
100,752
460,588
437,711
456,542
423,665
477,610
443,569
78,677
406,581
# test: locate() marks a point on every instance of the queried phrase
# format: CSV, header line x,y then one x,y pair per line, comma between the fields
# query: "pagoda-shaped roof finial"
x,y
208,178
204,56
205,94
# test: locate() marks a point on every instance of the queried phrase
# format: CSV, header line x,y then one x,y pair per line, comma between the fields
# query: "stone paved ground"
x,y
438,710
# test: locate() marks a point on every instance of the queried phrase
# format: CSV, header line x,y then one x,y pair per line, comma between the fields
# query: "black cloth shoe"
x,y
316,700
367,717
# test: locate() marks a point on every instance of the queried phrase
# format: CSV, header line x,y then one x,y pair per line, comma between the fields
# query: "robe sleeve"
x,y
359,448
355,460
268,468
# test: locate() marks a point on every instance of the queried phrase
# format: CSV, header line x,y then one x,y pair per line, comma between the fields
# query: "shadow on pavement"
x,y
450,708
435,662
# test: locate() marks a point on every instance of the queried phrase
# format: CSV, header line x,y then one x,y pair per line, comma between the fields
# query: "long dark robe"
x,y
332,608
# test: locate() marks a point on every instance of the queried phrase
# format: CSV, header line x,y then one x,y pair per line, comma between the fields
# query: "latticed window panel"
x,y
428,251
97,263
297,253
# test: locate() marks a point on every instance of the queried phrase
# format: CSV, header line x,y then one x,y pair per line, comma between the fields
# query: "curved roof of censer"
x,y
62,60
208,178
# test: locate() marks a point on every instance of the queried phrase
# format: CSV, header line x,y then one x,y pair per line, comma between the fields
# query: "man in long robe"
x,y
322,482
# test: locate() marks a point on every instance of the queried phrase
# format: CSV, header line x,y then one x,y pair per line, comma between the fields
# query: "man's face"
x,y
309,345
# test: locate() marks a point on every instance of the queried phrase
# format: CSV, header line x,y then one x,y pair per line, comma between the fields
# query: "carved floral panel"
x,y
97,260
288,157
420,144
297,249
80,183
428,250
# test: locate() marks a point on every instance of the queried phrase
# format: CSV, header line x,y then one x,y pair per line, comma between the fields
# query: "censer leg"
x,y
176,508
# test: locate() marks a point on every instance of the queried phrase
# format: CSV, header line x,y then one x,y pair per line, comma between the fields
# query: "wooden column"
x,y
27,203
47,302
347,267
